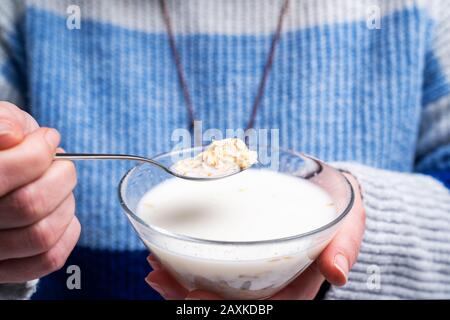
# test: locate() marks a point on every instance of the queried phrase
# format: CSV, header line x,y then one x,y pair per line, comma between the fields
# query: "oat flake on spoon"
x,y
221,157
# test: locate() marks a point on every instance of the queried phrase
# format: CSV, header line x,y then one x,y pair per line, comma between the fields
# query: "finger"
x,y
202,295
166,285
340,255
154,263
22,118
39,237
27,161
305,286
14,125
24,269
33,202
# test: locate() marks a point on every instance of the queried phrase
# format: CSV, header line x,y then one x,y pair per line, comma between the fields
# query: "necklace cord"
x,y
268,65
178,65
265,73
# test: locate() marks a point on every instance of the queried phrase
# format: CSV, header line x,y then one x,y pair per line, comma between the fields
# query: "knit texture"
x,y
339,90
16,291
405,253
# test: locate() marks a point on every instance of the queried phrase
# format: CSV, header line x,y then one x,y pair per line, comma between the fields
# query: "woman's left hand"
x,y
333,264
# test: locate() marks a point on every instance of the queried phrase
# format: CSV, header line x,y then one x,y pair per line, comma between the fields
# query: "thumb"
x,y
14,125
339,256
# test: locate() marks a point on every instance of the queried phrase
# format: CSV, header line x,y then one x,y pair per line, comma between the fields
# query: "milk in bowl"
x,y
252,206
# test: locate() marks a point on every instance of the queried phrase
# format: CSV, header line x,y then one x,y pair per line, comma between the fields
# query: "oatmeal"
x,y
220,158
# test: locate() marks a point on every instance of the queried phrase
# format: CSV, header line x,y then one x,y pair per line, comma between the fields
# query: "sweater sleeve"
x,y
433,147
12,55
22,291
12,64
405,252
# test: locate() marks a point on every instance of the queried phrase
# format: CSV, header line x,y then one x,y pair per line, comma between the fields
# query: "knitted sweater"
x,y
371,92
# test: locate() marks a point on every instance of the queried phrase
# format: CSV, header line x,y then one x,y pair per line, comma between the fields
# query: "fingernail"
x,y
191,298
157,287
154,263
5,127
341,264
52,137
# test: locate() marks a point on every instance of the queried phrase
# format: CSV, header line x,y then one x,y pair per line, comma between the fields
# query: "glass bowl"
x,y
237,269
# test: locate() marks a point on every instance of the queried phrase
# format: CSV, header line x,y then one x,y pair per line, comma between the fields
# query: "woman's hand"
x,y
333,264
38,227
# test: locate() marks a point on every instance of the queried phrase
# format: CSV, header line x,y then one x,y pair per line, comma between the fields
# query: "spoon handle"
x,y
118,156
107,156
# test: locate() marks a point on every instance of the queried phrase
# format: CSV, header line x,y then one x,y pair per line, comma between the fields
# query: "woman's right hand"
x,y
38,227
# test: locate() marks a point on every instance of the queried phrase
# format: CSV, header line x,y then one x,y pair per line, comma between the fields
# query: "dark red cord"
x,y
176,56
264,77
268,66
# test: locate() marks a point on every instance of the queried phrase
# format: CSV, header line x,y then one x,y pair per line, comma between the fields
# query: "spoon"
x,y
106,156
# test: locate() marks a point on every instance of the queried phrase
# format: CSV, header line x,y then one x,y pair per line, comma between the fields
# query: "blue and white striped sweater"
x,y
338,90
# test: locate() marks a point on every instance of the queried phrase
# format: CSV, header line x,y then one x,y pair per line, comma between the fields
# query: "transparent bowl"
x,y
237,269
